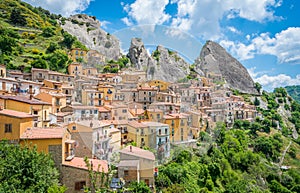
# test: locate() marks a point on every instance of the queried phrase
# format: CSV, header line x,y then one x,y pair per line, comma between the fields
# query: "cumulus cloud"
x,y
285,45
65,7
281,80
270,82
200,17
146,12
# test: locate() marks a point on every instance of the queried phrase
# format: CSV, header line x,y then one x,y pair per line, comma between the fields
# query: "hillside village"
x,y
87,113
154,119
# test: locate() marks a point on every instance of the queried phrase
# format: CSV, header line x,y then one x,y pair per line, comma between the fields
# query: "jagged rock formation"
x,y
214,60
87,30
138,54
168,67
163,64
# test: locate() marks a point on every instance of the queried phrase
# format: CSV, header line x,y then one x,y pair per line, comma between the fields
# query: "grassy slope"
x,y
31,41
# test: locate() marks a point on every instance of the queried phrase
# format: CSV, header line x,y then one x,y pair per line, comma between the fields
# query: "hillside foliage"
x,y
294,92
244,157
23,169
31,37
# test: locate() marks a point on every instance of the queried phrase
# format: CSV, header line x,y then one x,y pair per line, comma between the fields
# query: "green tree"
x,y
58,60
48,32
68,40
139,187
39,63
52,47
17,18
258,87
23,169
256,101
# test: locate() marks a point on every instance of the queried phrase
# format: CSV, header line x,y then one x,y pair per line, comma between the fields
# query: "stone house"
x,y
136,164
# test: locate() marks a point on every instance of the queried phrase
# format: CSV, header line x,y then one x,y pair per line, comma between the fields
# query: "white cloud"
x,y
270,82
65,7
285,45
281,80
127,21
146,12
233,30
201,18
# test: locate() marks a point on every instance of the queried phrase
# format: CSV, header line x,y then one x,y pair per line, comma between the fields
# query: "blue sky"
x,y
264,35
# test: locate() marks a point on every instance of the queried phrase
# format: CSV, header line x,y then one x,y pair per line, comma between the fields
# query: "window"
x,y
126,172
95,111
91,111
83,112
124,111
8,128
35,112
172,131
142,131
166,131
74,128
80,185
159,132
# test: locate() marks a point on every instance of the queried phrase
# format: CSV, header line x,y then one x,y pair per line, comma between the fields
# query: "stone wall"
x,y
71,175
56,152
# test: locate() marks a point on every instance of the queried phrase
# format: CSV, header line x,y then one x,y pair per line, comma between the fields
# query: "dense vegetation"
x,y
246,157
294,92
23,169
31,37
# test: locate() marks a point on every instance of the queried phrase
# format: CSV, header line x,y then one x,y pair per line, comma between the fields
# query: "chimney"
x,y
130,147
30,92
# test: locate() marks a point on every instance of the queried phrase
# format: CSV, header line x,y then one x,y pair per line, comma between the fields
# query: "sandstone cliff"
x,y
214,60
87,30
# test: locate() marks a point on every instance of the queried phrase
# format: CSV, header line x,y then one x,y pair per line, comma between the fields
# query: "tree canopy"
x,y
23,169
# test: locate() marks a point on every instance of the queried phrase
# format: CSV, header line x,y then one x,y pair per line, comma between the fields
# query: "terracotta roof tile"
x,y
43,133
17,114
78,162
24,100
138,152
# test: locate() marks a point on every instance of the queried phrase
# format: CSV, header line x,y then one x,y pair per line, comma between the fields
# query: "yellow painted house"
x,y
108,92
140,133
75,69
14,123
29,105
58,100
179,129
161,85
78,54
52,140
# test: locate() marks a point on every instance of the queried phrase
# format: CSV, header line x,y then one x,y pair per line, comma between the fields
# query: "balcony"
x,y
58,103
162,134
69,155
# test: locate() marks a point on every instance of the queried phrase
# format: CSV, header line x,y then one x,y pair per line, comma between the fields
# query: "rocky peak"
x,y
215,60
169,66
163,64
138,54
87,30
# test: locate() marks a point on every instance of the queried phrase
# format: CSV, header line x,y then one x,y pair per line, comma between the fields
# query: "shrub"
x,y
35,51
